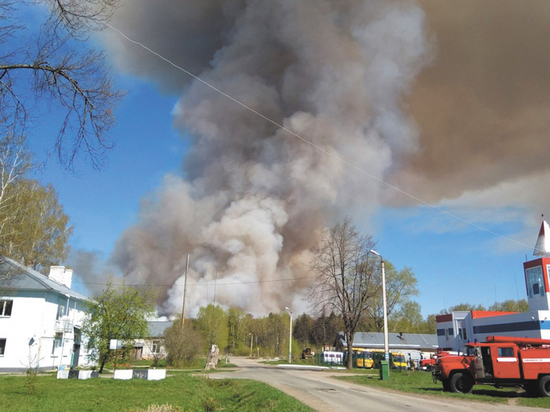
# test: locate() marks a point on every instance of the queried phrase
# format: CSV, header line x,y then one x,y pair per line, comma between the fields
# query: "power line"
x,y
326,152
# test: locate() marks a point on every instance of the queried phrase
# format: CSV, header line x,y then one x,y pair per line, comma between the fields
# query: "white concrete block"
x,y
124,374
84,374
156,374
63,374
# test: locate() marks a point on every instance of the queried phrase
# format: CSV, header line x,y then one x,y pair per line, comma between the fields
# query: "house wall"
x,y
152,347
534,324
35,337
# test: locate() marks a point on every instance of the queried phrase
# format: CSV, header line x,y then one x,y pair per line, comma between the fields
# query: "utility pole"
x,y
184,291
290,337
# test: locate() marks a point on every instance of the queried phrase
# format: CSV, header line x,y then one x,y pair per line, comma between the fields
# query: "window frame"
x,y
6,304
3,342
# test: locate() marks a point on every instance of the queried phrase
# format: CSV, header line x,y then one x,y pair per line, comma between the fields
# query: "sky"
x,y
425,121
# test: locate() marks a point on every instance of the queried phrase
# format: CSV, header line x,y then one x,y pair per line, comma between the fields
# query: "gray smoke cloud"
x,y
481,106
255,198
91,271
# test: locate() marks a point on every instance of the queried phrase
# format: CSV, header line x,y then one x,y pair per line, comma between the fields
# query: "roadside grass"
x,y
181,391
420,382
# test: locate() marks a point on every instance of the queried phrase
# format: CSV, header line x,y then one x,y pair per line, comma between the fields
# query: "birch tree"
x,y
39,230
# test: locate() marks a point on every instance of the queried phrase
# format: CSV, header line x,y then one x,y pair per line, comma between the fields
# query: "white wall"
x,y
30,331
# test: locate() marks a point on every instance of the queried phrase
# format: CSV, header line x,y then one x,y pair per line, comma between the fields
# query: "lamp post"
x,y
386,342
290,339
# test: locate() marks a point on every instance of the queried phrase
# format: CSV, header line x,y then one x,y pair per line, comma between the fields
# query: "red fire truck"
x,y
500,361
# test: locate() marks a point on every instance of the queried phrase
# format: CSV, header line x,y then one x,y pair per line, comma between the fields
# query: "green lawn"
x,y
421,382
189,393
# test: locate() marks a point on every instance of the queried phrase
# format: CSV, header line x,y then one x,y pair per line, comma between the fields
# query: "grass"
x,y
181,391
420,382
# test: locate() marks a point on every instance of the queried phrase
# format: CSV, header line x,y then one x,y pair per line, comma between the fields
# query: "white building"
x,y
40,319
457,328
152,347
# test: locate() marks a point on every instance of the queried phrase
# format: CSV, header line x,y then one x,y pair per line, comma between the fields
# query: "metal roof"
x,y
14,276
375,340
157,328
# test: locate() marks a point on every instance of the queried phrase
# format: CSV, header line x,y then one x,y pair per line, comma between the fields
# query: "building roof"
x,y
542,247
14,276
157,328
375,340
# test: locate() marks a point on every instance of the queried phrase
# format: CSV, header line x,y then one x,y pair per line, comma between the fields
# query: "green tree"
x,y
302,329
235,326
14,163
183,343
212,325
117,314
511,305
325,329
430,325
400,287
345,279
408,319
38,231
466,307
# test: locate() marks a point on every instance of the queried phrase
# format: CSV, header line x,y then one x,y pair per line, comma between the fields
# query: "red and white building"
x,y
457,328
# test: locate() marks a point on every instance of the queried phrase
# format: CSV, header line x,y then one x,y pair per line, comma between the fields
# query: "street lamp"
x,y
386,343
290,339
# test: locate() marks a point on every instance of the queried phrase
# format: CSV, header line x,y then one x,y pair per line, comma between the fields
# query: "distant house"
x,y
407,343
40,319
152,346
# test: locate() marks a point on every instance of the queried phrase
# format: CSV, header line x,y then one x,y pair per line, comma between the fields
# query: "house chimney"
x,y
61,275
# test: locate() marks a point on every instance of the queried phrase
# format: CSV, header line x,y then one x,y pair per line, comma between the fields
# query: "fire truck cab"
x,y
500,361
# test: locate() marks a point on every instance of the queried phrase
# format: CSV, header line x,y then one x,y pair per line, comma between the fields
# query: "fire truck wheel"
x,y
544,386
461,383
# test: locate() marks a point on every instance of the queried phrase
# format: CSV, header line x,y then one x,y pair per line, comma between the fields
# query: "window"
x,y
464,333
2,346
156,346
506,352
56,344
534,281
60,312
5,307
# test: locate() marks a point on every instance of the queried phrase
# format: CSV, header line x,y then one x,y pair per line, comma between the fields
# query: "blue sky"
x,y
102,203
454,261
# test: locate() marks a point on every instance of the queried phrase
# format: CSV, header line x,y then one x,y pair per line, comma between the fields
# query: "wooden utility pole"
x,y
184,291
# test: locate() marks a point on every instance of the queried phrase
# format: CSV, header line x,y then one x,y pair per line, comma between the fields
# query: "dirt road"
x,y
323,393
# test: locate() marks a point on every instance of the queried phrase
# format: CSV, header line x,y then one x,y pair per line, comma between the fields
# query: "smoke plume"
x,y
482,106
254,197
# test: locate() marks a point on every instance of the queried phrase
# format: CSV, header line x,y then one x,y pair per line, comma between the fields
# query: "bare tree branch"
x,y
345,281
55,66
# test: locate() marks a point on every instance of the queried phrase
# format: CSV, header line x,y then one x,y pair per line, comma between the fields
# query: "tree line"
x,y
122,313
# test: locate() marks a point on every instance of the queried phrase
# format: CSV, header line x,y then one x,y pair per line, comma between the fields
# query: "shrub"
x,y
183,344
